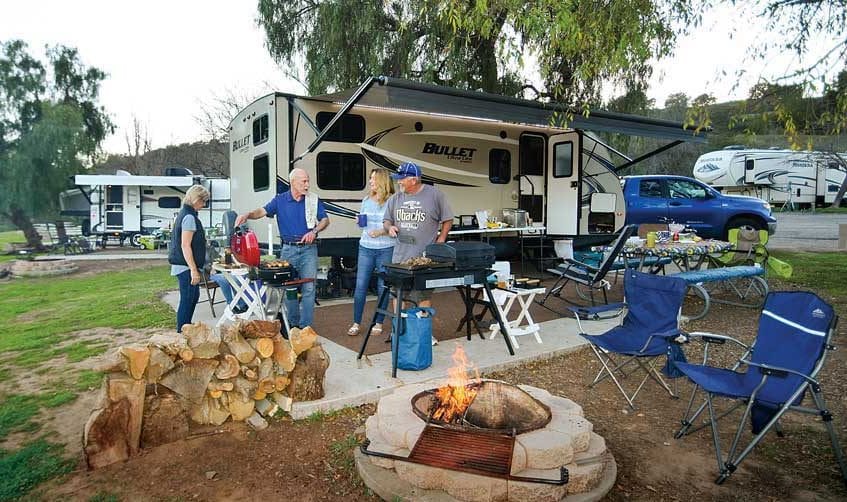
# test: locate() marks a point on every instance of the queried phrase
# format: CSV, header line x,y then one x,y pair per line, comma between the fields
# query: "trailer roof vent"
x,y
734,147
178,171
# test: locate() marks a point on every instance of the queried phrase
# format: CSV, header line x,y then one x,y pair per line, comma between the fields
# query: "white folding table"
x,y
243,289
522,323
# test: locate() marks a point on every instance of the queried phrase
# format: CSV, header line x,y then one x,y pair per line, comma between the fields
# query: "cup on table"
x,y
362,220
502,280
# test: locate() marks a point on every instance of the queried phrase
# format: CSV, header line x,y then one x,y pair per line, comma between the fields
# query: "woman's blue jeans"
x,y
188,297
369,260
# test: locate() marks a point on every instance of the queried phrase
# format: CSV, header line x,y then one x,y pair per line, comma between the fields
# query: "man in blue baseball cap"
x,y
417,216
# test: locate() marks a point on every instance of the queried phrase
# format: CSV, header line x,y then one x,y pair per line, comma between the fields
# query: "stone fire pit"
x,y
566,440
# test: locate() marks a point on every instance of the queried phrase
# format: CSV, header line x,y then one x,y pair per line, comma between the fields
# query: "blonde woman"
x,y
187,253
375,245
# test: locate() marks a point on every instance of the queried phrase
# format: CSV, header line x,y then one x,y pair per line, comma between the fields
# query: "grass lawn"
x,y
36,315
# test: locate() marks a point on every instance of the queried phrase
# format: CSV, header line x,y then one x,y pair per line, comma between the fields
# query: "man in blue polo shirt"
x,y
300,216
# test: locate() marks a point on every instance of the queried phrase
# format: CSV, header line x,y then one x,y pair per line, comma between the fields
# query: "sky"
x,y
165,60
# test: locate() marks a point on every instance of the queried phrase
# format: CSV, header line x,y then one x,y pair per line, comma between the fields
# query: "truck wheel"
x,y
742,222
135,241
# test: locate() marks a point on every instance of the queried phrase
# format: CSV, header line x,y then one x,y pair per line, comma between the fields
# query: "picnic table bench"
x,y
743,281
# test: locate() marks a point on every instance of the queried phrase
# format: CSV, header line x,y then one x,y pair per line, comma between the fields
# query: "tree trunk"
x,y
22,222
61,232
307,378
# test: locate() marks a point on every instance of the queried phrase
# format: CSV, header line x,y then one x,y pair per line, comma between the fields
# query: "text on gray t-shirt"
x,y
418,217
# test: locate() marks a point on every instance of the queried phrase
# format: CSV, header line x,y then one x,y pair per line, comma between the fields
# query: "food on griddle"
x,y
418,261
275,264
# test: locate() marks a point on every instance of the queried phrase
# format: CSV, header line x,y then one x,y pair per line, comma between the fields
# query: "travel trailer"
x,y
484,151
125,206
777,176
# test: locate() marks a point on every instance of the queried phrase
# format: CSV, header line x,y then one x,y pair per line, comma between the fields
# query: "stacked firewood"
x,y
245,371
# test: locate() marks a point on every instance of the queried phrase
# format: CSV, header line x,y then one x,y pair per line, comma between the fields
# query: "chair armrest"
x,y
777,371
716,338
574,263
595,312
671,333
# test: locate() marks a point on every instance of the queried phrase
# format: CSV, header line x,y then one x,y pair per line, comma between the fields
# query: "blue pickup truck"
x,y
665,198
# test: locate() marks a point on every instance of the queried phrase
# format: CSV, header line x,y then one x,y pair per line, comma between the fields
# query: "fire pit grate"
x,y
468,451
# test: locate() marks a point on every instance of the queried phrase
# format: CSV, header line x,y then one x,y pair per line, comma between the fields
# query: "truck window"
x,y
499,166
350,129
260,129
531,156
682,189
650,188
563,163
341,171
261,173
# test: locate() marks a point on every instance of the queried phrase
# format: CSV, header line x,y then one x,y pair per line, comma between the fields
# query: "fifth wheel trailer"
x,y
484,151
126,206
804,178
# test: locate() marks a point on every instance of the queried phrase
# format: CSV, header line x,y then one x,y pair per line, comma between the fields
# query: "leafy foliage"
x,y
579,46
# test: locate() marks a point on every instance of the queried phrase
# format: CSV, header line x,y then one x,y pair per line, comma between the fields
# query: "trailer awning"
x,y
405,95
123,180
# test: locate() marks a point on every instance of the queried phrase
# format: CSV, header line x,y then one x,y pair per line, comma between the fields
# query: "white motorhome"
x,y
777,176
126,206
484,151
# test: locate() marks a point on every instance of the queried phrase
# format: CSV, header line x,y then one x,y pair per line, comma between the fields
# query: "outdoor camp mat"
x,y
332,322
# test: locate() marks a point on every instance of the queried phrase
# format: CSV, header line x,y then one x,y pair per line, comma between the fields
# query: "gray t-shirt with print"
x,y
418,217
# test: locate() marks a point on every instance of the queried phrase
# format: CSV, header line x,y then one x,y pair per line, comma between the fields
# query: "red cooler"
x,y
245,247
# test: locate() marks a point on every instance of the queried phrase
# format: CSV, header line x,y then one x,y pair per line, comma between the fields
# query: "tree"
x,y
50,125
579,46
797,26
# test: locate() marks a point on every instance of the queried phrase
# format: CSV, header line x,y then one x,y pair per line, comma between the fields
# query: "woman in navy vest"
x,y
187,253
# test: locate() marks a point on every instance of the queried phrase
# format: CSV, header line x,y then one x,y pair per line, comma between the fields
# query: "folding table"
x,y
522,324
243,289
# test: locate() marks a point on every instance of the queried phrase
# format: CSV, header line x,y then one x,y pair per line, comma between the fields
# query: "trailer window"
x,y
261,173
350,129
531,157
499,166
260,129
563,163
341,171
170,202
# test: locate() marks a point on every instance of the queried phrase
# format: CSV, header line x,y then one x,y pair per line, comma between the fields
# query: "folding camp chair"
x,y
748,247
794,335
647,331
593,278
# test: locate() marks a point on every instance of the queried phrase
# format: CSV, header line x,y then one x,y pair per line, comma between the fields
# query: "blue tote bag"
x,y
415,344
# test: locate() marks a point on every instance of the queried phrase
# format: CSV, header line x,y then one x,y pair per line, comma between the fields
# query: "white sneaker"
x,y
434,341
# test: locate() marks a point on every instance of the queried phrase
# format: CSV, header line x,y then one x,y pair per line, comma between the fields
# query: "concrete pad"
x,y
352,382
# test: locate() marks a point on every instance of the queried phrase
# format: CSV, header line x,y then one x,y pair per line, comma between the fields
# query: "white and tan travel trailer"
x,y
484,151
802,178
125,206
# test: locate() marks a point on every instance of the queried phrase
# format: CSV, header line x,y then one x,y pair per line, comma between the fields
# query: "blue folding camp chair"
x,y
647,331
795,329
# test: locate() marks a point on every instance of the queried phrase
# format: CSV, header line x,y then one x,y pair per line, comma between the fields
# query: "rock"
x,y
211,474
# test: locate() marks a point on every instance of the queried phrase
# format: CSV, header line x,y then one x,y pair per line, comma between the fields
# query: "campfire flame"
x,y
455,397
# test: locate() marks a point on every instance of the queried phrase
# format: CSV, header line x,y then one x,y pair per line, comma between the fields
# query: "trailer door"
x,y
562,187
132,209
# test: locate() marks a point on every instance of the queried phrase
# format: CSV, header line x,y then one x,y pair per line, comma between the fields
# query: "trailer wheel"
x,y
135,241
741,222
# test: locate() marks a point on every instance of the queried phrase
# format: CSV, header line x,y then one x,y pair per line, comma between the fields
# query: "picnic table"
x,y
686,254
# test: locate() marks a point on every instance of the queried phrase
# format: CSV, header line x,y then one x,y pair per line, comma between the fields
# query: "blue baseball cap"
x,y
407,170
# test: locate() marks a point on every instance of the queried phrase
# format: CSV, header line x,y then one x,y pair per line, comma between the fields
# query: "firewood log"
x,y
215,394
171,343
160,363
215,384
132,359
266,408
244,387
264,346
283,355
113,430
228,368
281,382
239,407
258,395
249,374
257,422
209,411
186,354
260,329
204,341
236,345
282,400
307,377
303,339
190,379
